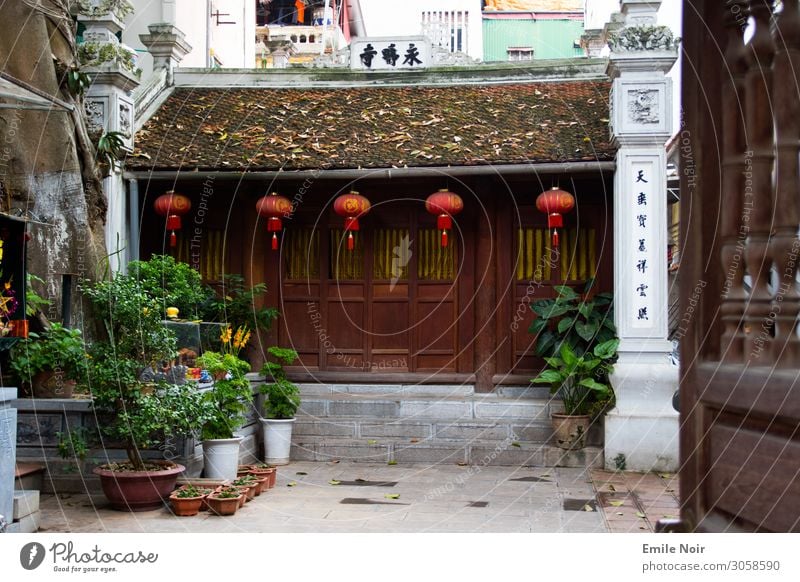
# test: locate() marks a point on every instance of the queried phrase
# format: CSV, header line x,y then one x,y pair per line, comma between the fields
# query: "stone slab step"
x,y
407,390
25,503
477,406
28,476
479,453
537,431
28,524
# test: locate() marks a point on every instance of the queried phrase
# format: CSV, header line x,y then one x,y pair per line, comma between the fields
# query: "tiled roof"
x,y
376,127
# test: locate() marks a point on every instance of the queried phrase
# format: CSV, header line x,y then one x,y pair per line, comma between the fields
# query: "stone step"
x,y
477,406
28,476
535,431
476,452
25,503
405,390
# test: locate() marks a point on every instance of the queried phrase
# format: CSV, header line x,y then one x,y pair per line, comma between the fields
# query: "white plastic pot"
x,y
221,458
277,440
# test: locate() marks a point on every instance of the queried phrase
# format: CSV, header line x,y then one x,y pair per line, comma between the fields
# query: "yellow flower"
x,y
225,336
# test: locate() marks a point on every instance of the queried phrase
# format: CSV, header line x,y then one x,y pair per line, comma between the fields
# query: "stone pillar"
x,y
168,46
8,452
109,108
642,430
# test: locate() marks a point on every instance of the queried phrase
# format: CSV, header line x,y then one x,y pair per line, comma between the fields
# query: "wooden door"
x,y
740,397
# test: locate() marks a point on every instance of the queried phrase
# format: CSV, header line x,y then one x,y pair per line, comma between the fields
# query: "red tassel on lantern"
x,y
445,204
274,207
555,203
351,206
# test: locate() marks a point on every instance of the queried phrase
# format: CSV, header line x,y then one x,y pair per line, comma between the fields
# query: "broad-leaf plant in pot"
x,y
576,336
282,399
50,362
133,414
226,404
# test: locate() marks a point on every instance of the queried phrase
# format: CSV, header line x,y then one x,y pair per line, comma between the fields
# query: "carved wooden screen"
x,y
740,401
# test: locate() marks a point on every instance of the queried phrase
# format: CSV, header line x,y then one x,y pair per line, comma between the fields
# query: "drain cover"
x,y
365,483
532,479
365,501
477,504
579,504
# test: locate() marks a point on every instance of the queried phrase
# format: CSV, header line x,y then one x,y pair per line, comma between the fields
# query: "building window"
x,y
302,39
435,262
578,254
301,253
447,29
520,53
208,258
391,250
346,264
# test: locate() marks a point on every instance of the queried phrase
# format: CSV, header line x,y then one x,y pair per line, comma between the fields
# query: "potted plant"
x,y
280,406
51,362
137,415
575,379
269,471
224,501
186,501
581,320
226,403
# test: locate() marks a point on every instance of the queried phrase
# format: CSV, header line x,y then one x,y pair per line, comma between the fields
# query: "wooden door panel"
x,y
390,321
346,325
435,329
740,211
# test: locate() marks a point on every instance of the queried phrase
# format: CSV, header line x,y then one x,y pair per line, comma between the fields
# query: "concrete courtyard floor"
x,y
385,498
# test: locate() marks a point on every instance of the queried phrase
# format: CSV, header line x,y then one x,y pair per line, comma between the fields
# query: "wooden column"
x,y
485,291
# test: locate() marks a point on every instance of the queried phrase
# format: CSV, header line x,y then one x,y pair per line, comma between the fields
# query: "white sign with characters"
x,y
388,53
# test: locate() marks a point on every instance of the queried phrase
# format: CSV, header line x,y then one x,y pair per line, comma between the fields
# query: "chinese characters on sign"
x,y
372,54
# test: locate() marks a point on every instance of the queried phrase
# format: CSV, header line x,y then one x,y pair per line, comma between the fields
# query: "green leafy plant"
x,y
244,481
132,411
573,377
77,82
110,147
283,397
57,349
227,493
33,301
579,320
189,492
227,402
74,443
236,305
95,54
172,284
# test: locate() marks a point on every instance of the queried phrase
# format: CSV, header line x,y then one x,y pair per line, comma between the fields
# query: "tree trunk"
x,y
47,164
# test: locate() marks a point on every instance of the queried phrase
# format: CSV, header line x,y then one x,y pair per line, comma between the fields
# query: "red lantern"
x,y
446,205
273,208
172,206
554,203
351,206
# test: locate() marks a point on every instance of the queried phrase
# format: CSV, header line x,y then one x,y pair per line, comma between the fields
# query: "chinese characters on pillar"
x,y
641,191
390,53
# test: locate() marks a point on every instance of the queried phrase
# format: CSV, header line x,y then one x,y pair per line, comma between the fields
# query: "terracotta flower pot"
x,y
138,490
270,472
223,506
51,385
186,506
263,484
570,431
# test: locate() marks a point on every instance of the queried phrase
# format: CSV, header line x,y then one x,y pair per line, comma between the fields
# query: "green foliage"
x,y
74,444
283,397
620,462
110,147
188,492
138,414
33,301
581,321
95,54
120,8
57,349
227,493
172,284
235,304
226,404
78,82
574,377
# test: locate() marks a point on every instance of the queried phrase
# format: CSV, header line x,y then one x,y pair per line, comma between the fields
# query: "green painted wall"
x,y
550,39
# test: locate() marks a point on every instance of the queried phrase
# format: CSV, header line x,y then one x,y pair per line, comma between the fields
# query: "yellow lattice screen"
x,y
391,250
301,253
535,261
346,264
207,257
434,262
